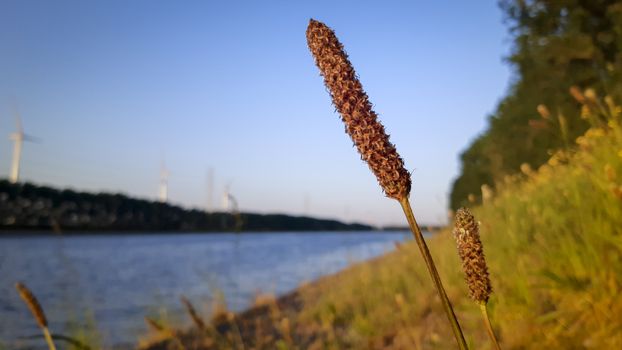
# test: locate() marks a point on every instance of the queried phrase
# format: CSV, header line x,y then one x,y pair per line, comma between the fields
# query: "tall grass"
x,y
562,230
371,141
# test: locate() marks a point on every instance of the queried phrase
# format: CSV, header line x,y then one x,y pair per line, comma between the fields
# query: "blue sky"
x,y
113,87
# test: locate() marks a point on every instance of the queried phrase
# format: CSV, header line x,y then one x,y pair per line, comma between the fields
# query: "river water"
x,y
109,282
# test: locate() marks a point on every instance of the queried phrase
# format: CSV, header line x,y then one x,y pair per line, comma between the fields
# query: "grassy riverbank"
x,y
553,242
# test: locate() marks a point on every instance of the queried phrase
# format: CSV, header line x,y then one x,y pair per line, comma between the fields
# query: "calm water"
x,y
116,280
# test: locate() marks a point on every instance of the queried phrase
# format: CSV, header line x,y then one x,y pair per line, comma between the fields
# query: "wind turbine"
x,y
163,191
234,211
17,137
234,204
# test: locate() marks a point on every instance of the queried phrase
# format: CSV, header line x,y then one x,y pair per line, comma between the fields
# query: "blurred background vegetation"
x,y
556,44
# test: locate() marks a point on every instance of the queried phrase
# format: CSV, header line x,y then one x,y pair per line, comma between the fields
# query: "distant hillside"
x,y
32,207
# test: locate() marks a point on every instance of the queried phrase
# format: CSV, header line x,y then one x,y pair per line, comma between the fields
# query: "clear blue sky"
x,y
112,87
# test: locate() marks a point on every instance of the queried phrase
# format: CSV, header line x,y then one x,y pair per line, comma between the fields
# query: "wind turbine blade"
x,y
18,122
17,115
29,138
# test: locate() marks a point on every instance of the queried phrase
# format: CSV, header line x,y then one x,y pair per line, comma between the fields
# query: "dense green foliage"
x,y
557,44
31,207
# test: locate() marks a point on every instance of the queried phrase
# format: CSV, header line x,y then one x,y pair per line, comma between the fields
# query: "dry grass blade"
x,y
166,332
154,325
198,321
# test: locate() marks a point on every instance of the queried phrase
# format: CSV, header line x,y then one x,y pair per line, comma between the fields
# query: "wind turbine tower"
x,y
163,190
17,137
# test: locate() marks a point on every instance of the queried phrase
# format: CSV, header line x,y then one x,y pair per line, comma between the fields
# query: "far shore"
x,y
49,232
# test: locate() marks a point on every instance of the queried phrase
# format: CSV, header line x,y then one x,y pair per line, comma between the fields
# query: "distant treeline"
x,y
556,45
32,207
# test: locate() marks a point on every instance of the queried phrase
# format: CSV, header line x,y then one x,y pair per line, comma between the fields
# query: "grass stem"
x,y
48,338
491,333
416,231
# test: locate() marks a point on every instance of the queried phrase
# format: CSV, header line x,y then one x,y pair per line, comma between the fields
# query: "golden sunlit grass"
x,y
562,233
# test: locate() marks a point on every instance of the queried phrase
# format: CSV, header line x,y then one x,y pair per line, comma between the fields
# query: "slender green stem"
x,y
491,333
414,227
48,338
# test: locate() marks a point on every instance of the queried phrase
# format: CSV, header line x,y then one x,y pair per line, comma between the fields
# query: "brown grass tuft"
x,y
466,233
352,103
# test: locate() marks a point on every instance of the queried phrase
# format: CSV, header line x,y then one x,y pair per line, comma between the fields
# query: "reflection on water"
x,y
120,278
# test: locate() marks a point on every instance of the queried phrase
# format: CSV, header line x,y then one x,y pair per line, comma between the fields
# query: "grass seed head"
x,y
577,94
544,112
32,303
466,233
352,103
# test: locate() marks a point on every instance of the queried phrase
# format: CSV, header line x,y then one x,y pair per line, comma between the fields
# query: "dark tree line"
x,y
557,44
31,207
